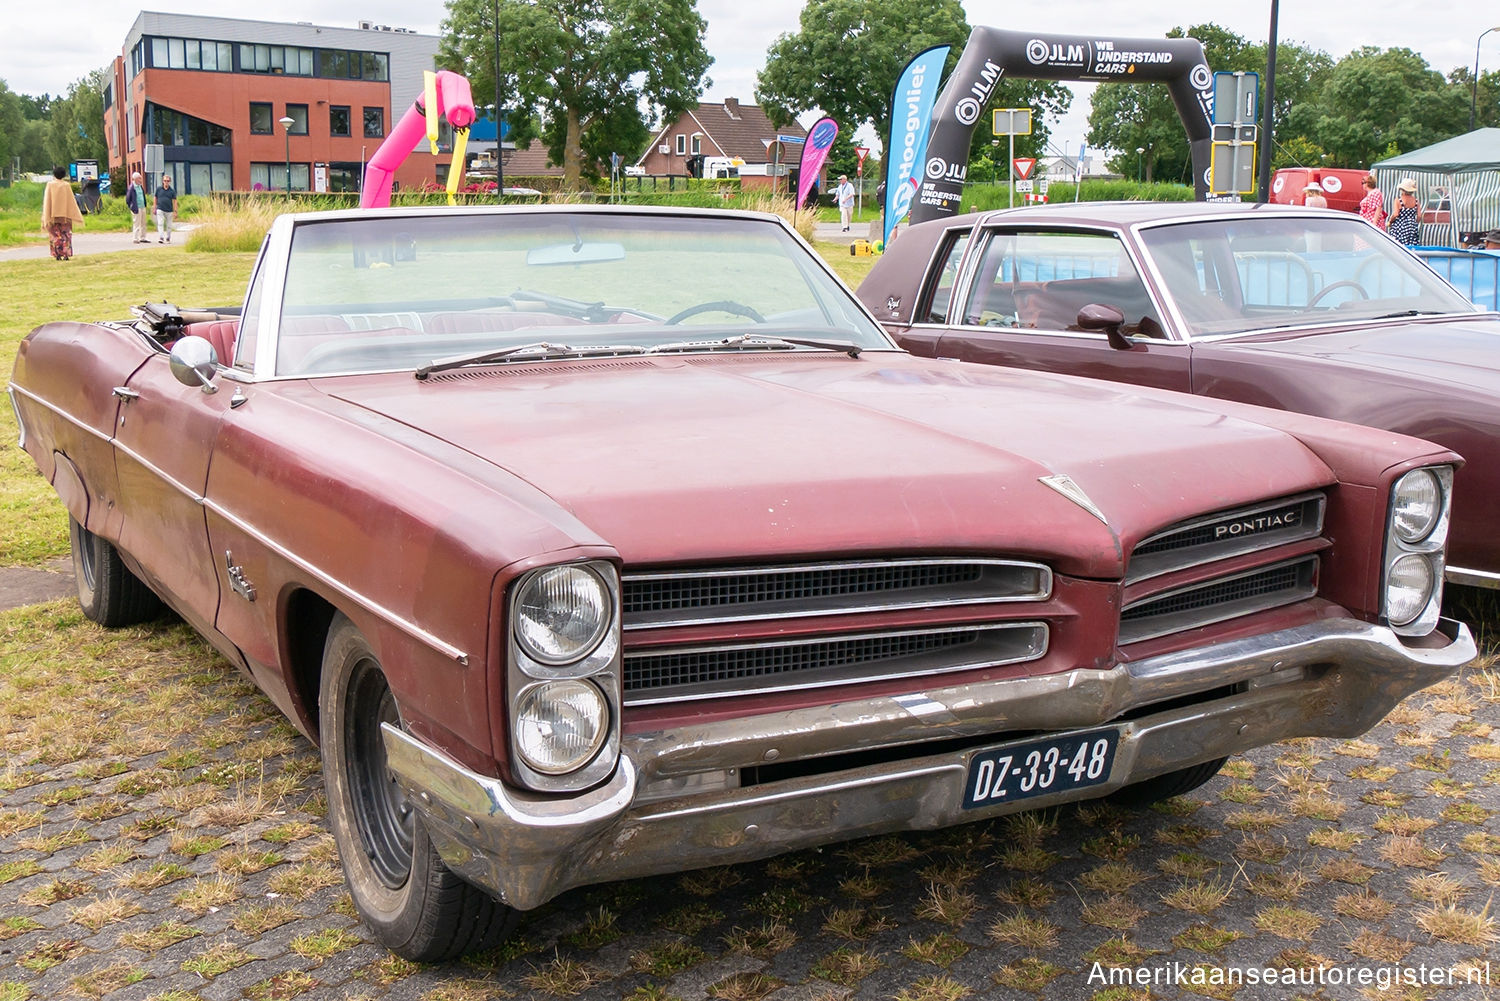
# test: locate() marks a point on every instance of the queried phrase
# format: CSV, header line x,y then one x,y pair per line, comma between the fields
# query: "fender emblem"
x,y
238,582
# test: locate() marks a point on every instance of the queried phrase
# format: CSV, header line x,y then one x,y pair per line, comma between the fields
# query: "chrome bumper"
x,y
1333,678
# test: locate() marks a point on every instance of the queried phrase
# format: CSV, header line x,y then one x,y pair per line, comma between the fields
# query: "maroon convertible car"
x,y
593,543
1300,309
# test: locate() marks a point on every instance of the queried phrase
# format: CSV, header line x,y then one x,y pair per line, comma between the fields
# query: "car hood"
x,y
674,460
1446,350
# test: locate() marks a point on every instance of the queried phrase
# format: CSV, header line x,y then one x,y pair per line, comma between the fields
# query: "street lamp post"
x,y
1140,175
286,122
1474,84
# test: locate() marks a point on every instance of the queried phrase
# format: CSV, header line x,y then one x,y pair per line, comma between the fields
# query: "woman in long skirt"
x,y
59,213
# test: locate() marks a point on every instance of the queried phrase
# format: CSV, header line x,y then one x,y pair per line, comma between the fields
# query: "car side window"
x,y
1040,280
937,301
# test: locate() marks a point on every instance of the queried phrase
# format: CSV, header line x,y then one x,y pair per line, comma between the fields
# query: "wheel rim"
x,y
83,545
381,811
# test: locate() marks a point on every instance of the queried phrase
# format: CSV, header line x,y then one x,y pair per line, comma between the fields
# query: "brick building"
x,y
721,134
213,90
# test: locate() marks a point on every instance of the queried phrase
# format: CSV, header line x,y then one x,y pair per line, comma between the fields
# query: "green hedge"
x,y
983,197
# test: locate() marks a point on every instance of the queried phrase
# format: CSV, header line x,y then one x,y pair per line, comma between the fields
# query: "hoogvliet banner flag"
x,y
819,141
911,115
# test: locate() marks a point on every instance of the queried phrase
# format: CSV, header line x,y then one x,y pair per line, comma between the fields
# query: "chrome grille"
x,y
1219,599
713,670
1228,533
653,599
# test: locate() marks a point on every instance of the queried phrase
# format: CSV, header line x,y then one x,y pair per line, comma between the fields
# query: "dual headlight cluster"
x,y
1415,538
565,675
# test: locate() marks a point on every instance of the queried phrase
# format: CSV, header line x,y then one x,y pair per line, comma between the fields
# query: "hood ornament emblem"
x,y
1064,485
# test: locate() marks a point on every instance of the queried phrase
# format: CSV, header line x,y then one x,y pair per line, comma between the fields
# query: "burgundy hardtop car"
x,y
1301,309
597,543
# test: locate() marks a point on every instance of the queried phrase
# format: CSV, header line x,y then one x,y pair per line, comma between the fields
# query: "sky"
x,y
42,51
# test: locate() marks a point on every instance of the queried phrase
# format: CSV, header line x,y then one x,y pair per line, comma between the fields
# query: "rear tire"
x,y
413,904
108,592
1154,790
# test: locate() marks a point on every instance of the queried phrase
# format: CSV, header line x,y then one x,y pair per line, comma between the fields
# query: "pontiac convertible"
x,y
1289,307
595,543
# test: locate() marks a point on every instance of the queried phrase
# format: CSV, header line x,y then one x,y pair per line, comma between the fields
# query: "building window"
x,y
377,67
298,114
374,122
262,121
338,120
109,96
334,63
173,128
276,59
272,177
681,144
697,143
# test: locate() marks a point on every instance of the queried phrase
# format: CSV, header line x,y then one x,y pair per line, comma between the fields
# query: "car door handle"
x,y
126,393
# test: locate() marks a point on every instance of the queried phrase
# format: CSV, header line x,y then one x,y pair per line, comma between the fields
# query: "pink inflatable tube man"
x,y
453,102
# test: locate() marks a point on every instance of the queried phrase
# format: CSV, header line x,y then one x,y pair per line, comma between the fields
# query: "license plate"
x,y
1038,767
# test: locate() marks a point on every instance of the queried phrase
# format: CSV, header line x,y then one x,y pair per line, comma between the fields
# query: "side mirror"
x,y
194,362
1096,316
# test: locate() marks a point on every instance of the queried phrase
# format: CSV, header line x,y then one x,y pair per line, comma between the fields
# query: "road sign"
x,y
1236,133
1042,186
1023,187
1024,165
1011,121
1231,169
1236,96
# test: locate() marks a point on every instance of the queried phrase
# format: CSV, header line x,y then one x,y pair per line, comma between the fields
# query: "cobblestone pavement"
x,y
162,836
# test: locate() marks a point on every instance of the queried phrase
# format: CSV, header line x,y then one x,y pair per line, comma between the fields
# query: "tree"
x,y
75,126
1376,97
578,73
848,55
12,126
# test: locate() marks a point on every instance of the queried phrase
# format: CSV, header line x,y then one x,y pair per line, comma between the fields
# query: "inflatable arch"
x,y
993,52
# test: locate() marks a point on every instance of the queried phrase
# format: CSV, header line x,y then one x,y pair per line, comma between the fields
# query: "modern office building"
x,y
214,91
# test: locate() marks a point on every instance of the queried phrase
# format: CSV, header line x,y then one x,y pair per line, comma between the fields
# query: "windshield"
x,y
1232,276
385,292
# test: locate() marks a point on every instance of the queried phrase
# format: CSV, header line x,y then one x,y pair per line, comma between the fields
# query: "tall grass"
x,y
224,225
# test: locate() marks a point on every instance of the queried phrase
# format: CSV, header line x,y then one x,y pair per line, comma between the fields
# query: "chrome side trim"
x,y
1472,578
159,473
364,601
59,411
15,408
808,607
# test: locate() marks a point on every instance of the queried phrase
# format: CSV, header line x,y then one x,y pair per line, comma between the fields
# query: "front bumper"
x,y
1332,678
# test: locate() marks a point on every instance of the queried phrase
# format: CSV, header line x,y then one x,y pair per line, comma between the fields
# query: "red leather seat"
x,y
219,333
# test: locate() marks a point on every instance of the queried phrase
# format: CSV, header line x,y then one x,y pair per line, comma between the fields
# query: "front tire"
x,y
415,906
1154,790
108,592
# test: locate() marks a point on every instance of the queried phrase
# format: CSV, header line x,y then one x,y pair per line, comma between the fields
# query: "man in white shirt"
x,y
844,194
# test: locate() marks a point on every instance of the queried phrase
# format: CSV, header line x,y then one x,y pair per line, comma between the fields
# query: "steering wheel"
x,y
717,306
1339,284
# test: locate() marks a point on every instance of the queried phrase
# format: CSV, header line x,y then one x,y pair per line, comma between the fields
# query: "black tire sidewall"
x,y
395,915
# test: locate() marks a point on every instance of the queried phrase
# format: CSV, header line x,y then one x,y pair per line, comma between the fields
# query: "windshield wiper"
x,y
1407,312
757,342
536,351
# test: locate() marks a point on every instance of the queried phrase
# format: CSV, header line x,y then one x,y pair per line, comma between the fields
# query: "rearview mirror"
x,y
194,362
1097,316
576,253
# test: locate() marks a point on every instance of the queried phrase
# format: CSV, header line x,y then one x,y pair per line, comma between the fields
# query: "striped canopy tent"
x,y
1465,170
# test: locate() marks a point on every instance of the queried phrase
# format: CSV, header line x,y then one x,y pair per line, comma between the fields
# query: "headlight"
x,y
561,614
1416,505
560,725
1408,588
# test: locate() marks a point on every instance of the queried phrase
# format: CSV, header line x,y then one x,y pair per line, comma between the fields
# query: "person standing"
x,y
844,195
135,201
166,209
1403,225
1372,205
1312,196
59,214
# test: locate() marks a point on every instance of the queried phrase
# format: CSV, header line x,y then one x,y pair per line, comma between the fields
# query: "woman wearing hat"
x,y
1372,205
1312,196
1402,225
